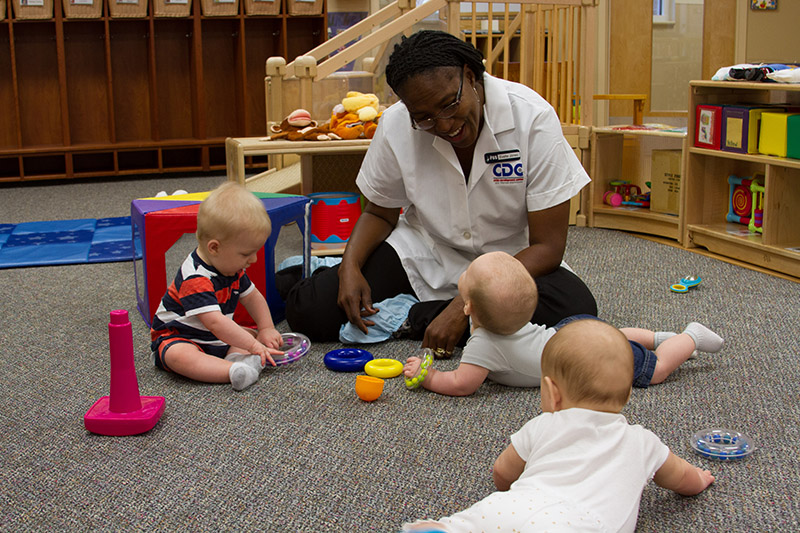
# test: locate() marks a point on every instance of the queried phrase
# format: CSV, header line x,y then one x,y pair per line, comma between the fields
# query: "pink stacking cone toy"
x,y
123,411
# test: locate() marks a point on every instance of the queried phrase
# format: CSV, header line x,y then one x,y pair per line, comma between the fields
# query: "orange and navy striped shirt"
x,y
198,288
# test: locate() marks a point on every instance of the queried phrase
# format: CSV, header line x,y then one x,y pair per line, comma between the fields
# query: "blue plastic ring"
x,y
347,359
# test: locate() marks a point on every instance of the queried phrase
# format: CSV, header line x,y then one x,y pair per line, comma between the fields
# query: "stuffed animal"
x,y
356,117
299,126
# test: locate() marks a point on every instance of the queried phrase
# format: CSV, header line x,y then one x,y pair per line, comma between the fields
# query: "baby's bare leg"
x,y
187,360
671,354
645,337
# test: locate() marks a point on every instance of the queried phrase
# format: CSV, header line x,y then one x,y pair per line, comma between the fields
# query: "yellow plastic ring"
x,y
384,368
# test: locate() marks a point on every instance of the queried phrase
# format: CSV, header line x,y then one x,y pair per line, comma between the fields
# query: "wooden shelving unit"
x,y
624,154
707,190
114,96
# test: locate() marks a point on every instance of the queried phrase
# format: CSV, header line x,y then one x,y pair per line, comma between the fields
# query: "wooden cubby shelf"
x,y
620,153
104,96
777,246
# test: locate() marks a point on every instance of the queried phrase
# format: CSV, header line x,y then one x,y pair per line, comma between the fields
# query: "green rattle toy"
x,y
427,360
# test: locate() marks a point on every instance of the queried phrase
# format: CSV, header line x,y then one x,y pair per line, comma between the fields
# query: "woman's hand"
x,y
445,330
355,297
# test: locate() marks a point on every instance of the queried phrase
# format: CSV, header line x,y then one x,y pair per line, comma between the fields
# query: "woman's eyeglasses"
x,y
447,112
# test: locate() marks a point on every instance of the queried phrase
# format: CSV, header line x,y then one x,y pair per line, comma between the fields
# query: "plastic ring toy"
x,y
722,444
384,368
347,359
679,288
427,361
294,346
691,281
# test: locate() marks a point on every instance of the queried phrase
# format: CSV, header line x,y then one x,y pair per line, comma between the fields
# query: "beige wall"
x,y
677,57
773,36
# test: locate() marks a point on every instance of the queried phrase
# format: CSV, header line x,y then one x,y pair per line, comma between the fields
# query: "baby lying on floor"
x,y
500,297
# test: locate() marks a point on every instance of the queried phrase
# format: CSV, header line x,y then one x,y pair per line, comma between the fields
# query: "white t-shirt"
x,y
584,471
522,163
514,360
593,460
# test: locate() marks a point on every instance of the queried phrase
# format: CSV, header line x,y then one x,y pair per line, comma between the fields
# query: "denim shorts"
x,y
644,360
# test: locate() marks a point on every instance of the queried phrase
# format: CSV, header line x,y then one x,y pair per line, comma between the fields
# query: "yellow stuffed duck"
x,y
356,117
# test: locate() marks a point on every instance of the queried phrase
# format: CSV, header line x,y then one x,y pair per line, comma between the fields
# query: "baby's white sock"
x,y
242,375
246,358
661,336
704,339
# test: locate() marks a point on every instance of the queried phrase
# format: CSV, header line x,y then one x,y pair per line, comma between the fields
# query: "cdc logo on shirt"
x,y
507,172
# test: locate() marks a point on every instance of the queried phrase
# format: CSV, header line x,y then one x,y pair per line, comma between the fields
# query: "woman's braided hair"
x,y
427,50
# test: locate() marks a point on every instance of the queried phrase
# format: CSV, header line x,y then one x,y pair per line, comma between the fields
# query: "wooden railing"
x,y
546,45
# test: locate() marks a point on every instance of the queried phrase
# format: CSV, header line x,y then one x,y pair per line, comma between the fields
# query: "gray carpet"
x,y
299,451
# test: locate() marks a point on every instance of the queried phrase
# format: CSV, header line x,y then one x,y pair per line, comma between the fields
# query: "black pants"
x,y
311,306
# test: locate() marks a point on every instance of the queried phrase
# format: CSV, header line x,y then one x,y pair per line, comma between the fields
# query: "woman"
x,y
476,164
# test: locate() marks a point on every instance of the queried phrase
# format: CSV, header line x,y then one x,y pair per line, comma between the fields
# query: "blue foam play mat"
x,y
66,242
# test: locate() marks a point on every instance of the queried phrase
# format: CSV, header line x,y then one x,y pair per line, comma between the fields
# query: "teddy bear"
x,y
356,117
299,126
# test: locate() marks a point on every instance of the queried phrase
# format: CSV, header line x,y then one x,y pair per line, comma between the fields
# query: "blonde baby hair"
x,y
592,362
502,292
231,209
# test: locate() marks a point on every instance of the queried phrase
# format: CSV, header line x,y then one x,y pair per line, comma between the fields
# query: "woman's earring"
x,y
477,96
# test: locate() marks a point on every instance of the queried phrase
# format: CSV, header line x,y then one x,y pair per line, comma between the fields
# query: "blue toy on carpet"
x,y
66,242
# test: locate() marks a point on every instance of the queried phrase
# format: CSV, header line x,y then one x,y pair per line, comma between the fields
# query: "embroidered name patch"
x,y
497,157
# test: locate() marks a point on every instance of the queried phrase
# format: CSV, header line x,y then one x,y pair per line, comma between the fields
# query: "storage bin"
x,y
793,137
262,7
33,9
127,8
172,8
740,125
708,126
82,9
774,133
304,7
220,8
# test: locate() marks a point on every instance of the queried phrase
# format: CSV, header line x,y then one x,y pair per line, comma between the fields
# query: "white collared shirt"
x,y
521,163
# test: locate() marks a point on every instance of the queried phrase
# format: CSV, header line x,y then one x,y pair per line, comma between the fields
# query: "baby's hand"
x,y
411,368
270,337
264,352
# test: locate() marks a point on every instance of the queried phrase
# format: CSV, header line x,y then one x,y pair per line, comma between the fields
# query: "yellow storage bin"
x,y
773,137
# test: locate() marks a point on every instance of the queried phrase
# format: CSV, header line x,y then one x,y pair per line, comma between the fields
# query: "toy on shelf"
x,y
625,193
686,283
123,412
369,388
299,126
757,220
740,202
356,117
722,444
